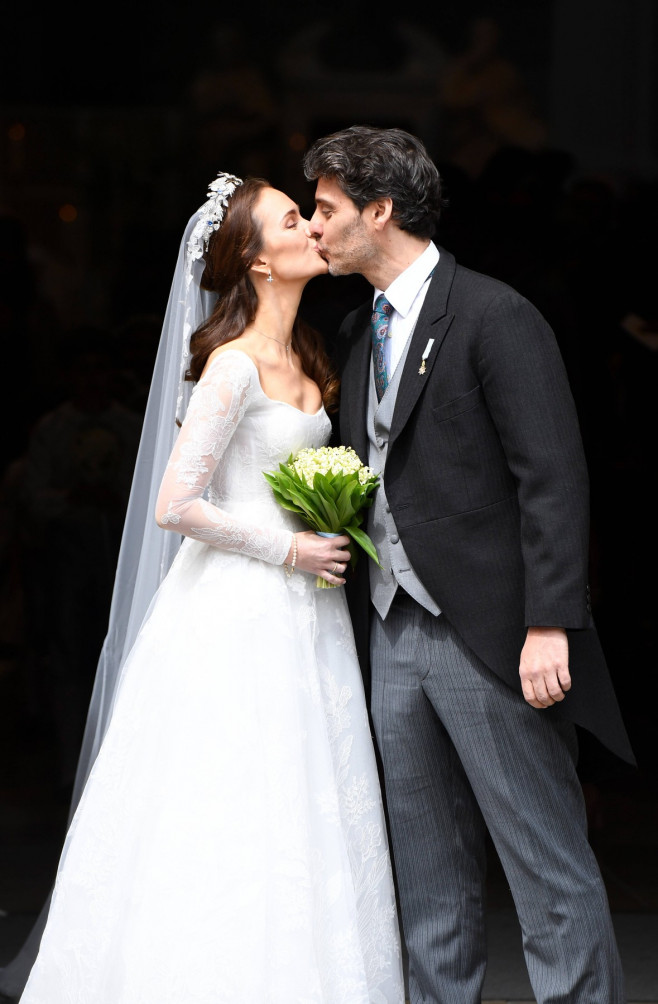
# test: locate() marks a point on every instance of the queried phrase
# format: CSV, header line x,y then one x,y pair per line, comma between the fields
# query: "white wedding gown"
x,y
230,845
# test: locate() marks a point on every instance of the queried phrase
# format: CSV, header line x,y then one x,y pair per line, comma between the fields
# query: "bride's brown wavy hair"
x,y
232,250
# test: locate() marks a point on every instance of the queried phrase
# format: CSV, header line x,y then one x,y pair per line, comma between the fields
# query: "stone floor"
x,y
623,811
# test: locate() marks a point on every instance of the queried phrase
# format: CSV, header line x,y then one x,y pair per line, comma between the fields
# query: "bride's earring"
x,y
269,275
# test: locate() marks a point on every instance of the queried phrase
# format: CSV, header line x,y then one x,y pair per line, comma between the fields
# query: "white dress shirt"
x,y
406,295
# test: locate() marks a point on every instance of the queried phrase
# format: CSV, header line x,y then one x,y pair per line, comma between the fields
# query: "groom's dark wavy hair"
x,y
371,163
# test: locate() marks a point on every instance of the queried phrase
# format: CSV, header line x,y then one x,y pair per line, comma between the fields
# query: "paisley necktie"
x,y
379,329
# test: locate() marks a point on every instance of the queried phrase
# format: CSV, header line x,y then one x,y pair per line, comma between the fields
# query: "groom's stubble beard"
x,y
356,250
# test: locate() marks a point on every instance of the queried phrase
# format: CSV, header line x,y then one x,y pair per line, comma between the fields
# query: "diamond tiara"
x,y
211,214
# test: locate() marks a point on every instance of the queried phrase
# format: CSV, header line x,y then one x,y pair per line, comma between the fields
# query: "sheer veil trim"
x,y
146,552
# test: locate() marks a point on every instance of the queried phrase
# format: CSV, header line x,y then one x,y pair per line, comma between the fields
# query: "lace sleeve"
x,y
216,407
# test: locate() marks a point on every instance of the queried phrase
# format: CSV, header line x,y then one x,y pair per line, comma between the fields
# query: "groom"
x,y
478,629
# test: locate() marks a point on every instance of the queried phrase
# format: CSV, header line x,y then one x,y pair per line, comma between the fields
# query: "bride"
x,y
229,843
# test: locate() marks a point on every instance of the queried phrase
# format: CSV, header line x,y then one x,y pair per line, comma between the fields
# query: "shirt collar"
x,y
405,288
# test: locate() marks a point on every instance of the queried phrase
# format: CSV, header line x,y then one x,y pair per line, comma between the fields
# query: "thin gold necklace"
x,y
286,345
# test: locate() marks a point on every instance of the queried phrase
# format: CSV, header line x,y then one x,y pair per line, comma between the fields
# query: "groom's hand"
x,y
544,668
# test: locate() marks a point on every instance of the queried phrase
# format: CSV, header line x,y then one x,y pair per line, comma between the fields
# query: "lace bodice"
x,y
213,489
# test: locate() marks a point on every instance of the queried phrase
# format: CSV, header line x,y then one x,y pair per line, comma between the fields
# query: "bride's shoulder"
x,y
227,360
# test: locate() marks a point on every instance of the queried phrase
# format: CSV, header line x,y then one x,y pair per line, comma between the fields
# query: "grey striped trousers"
x,y
461,752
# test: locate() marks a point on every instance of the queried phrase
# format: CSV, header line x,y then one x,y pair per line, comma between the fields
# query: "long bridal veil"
x,y
146,553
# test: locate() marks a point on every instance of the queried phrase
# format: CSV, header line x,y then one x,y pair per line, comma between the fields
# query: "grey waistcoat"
x,y
396,568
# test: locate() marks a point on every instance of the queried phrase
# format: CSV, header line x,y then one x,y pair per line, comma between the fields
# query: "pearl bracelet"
x,y
289,569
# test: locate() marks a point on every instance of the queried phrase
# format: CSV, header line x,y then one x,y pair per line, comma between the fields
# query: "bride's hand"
x,y
324,556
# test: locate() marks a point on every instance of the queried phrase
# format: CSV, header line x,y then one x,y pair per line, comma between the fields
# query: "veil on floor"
x,y
146,553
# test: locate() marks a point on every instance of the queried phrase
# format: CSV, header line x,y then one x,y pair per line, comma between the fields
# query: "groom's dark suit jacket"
x,y
487,482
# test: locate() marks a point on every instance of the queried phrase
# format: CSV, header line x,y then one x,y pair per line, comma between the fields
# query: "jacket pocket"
x,y
466,423
458,405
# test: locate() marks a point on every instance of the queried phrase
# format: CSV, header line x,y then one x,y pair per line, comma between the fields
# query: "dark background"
x,y
543,119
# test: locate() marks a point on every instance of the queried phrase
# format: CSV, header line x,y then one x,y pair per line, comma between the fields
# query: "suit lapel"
x,y
433,323
355,381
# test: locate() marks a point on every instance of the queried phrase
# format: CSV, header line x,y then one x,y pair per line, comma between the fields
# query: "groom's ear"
x,y
379,212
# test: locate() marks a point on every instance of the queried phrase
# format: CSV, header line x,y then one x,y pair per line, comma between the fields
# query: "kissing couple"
x,y
254,742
